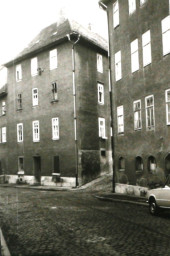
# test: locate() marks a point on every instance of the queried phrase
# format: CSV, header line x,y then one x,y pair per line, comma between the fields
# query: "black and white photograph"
x,y
85,128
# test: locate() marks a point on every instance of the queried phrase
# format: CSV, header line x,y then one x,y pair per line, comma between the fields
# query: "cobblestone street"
x,y
75,223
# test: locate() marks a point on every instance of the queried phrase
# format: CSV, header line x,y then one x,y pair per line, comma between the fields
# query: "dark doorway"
x,y
56,164
37,169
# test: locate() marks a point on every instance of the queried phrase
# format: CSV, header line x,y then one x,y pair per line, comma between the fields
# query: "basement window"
x,y
103,152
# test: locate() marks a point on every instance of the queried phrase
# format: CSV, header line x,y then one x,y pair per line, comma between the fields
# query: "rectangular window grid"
x,y
3,134
20,132
134,56
120,120
102,129
34,96
166,35
53,59
118,66
19,101
100,93
115,14
36,131
100,63
146,44
137,115
55,128
132,6
167,100
34,66
150,116
3,108
54,91
18,73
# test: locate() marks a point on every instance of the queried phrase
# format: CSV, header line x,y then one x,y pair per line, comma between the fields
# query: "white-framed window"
x,y
3,108
134,56
19,101
34,66
54,91
20,132
118,66
18,73
55,128
142,2
53,59
132,6
167,100
34,96
116,14
150,115
99,63
137,115
36,131
120,119
3,134
100,93
166,35
102,127
146,44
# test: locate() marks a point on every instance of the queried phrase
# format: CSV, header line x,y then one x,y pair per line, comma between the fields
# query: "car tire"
x,y
153,208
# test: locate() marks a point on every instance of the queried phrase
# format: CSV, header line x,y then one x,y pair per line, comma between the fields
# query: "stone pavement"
x,y
71,223
115,197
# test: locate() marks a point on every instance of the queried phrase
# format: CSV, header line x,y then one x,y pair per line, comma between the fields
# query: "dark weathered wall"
x,y
152,79
91,164
44,112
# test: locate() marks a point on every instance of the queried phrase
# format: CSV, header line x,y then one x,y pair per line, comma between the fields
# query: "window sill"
x,y
150,129
19,109
121,134
55,139
165,54
53,68
54,101
114,27
139,172
121,170
18,80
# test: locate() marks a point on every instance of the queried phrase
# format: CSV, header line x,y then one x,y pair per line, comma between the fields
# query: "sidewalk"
x,y
122,198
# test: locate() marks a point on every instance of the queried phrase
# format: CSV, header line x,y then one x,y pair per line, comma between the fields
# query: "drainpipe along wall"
x,y
74,42
112,105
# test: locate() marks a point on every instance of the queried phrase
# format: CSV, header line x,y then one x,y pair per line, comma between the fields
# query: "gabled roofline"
x,y
64,38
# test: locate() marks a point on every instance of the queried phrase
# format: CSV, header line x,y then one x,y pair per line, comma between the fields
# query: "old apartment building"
x,y
139,41
55,113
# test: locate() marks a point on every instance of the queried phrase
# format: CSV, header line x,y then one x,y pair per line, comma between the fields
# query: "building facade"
x,y
55,113
139,41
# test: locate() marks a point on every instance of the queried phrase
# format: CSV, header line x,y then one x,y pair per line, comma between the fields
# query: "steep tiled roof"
x,y
54,34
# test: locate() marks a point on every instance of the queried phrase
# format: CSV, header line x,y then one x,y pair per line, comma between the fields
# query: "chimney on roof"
x,y
90,26
61,16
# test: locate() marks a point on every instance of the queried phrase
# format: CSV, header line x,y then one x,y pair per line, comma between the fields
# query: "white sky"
x,y
22,20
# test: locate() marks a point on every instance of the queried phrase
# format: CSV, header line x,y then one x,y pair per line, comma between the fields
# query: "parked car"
x,y
159,198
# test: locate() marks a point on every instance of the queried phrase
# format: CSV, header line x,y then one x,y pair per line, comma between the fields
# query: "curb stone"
x,y
119,200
